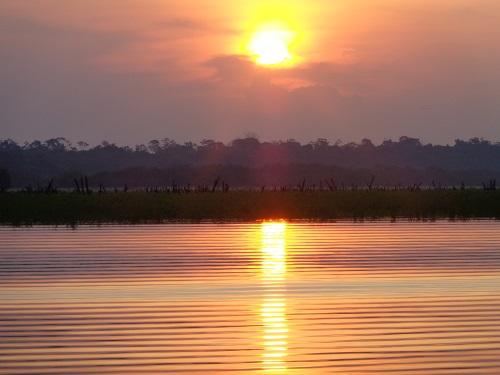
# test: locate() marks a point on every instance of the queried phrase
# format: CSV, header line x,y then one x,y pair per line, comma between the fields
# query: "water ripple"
x,y
268,298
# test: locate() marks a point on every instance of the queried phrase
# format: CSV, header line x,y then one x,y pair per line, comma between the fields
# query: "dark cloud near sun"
x,y
231,68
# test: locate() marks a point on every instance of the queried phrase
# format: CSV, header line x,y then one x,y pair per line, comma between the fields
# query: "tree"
x,y
4,180
141,148
409,142
83,145
241,144
9,145
167,143
35,145
366,143
58,144
320,144
154,146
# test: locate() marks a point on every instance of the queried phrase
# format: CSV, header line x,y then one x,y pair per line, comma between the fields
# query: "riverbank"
x,y
20,208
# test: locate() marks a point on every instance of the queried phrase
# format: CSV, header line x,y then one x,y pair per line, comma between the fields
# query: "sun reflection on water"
x,y
273,307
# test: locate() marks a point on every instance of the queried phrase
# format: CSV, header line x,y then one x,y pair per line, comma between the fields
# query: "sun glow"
x,y
270,45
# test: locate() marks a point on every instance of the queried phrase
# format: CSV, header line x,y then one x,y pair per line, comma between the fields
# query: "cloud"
x,y
347,78
194,25
231,68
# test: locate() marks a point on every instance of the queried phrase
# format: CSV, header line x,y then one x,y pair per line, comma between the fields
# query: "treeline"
x,y
247,162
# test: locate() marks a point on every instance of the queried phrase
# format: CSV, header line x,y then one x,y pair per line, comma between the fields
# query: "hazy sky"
x,y
132,70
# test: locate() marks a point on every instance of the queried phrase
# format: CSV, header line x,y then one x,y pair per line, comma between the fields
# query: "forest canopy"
x,y
250,162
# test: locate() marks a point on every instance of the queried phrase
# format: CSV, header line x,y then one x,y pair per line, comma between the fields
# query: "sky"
x,y
129,71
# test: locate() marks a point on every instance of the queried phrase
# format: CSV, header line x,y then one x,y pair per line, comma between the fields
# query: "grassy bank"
x,y
140,207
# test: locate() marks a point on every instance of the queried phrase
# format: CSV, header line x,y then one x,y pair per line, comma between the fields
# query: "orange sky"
x,y
398,63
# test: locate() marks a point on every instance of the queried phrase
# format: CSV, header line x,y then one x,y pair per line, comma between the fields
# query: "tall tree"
x,y
4,180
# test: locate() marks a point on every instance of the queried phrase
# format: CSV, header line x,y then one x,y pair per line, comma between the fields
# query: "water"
x,y
272,298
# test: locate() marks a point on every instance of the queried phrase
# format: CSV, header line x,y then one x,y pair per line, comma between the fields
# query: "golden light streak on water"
x,y
273,307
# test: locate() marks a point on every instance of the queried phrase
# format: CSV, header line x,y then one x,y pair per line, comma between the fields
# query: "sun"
x,y
271,46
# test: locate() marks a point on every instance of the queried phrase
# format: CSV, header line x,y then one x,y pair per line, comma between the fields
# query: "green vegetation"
x,y
22,208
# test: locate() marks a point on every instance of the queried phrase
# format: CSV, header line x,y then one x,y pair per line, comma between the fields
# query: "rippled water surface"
x,y
271,298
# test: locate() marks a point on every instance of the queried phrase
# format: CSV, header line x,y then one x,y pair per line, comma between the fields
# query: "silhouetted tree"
x,y
154,146
4,180
404,159
141,148
82,145
58,144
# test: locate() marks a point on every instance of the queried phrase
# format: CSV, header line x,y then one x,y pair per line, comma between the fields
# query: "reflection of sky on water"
x,y
269,298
